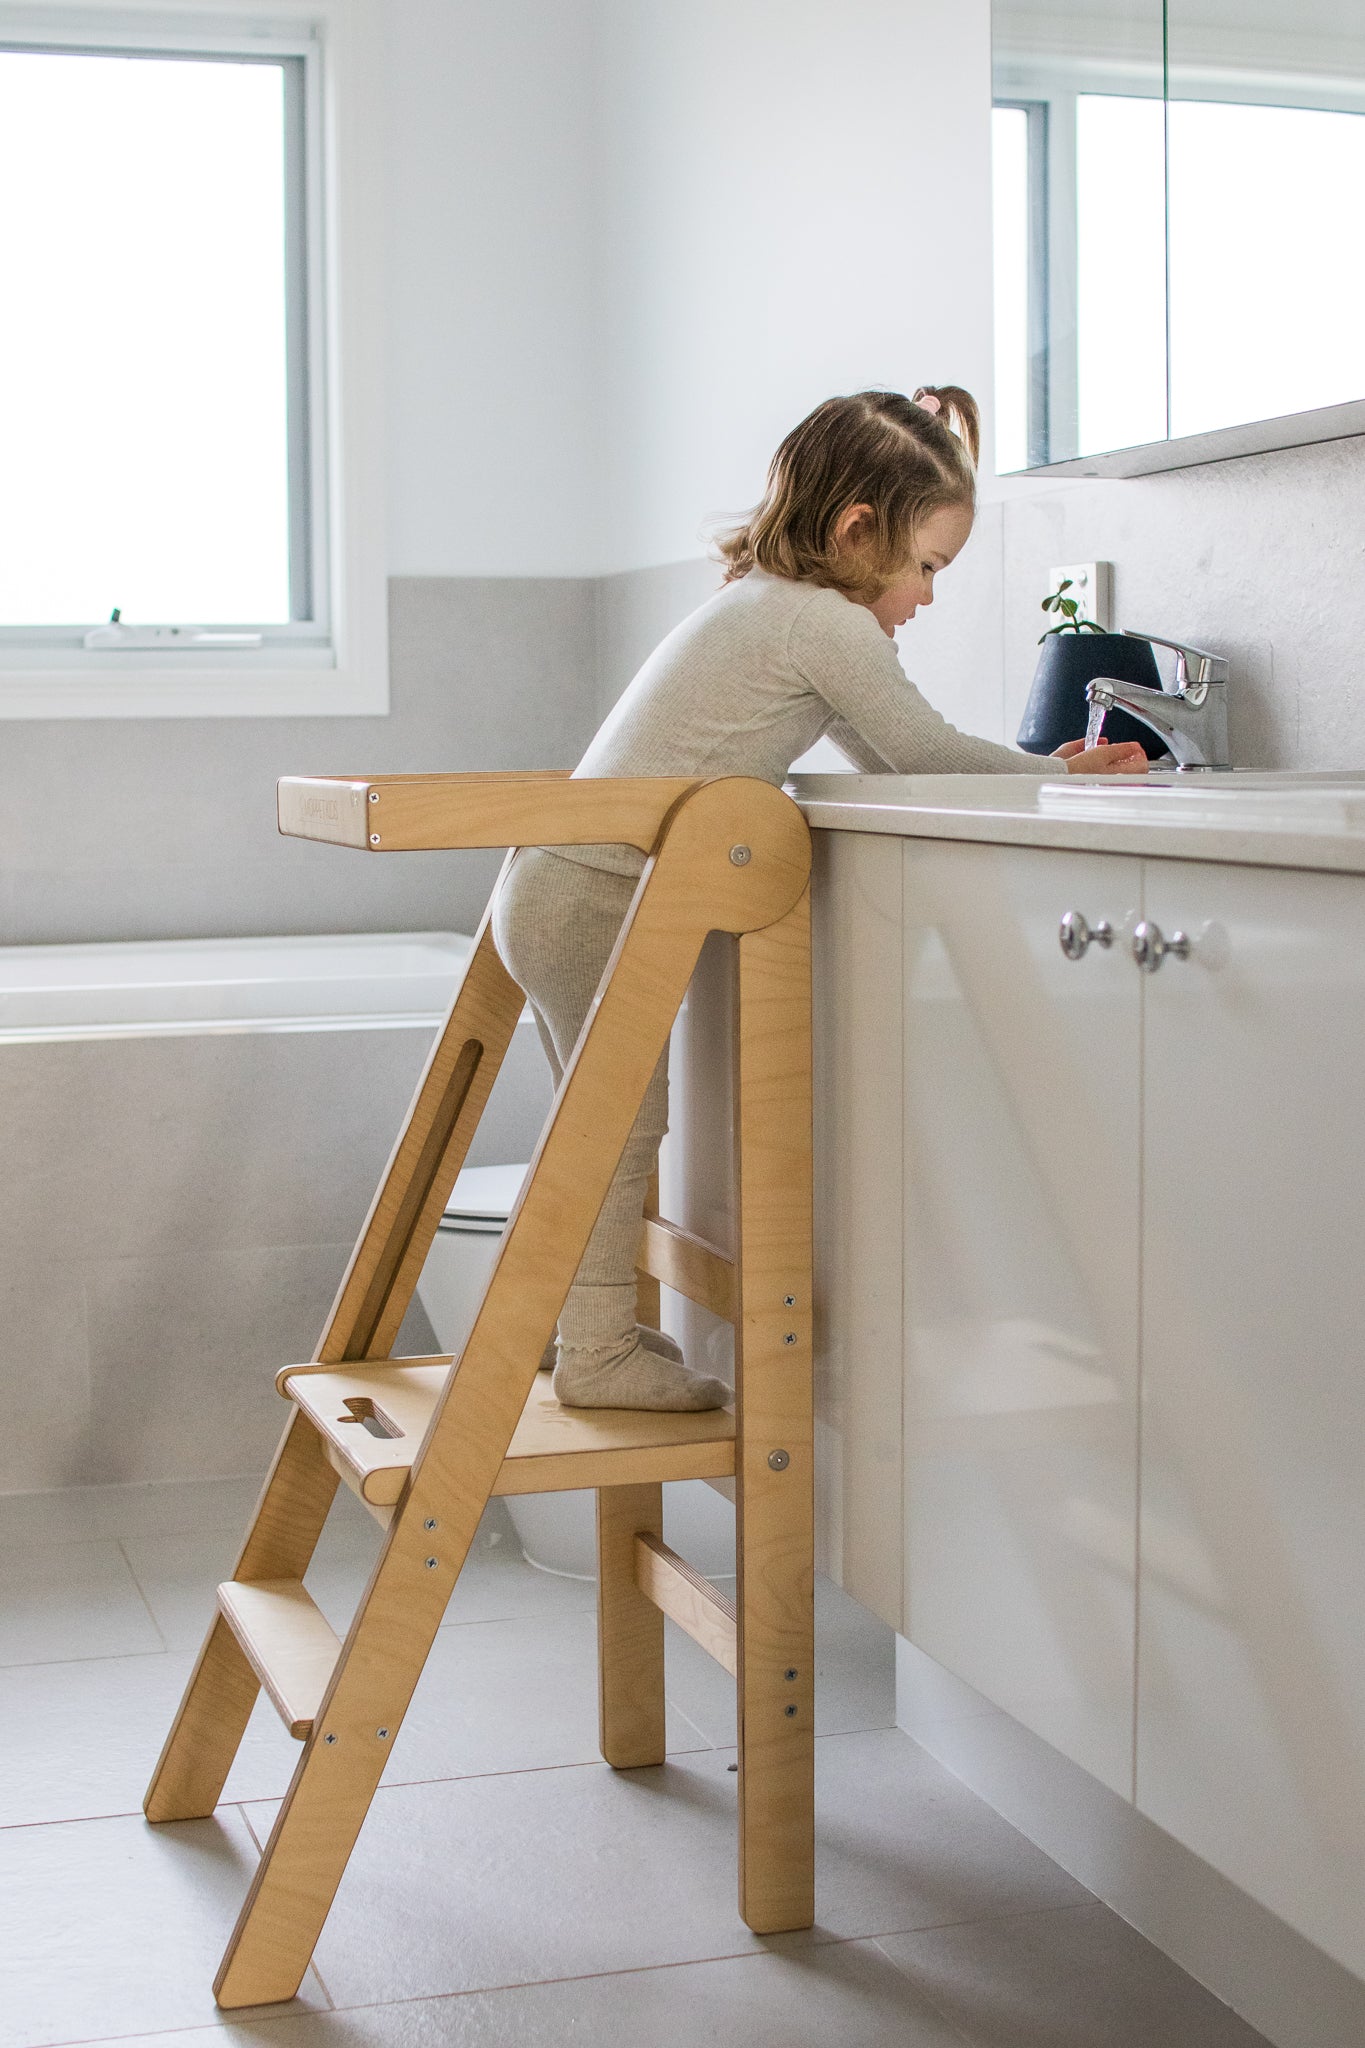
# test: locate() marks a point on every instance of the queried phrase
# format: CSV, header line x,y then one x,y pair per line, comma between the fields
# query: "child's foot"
x,y
635,1378
653,1340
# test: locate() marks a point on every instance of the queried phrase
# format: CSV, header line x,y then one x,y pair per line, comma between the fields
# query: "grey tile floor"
x,y
508,1888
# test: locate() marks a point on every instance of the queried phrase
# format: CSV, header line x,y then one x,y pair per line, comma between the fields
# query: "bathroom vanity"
x,y
1092,1282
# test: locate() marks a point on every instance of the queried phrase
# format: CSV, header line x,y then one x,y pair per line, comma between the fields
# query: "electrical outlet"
x,y
1092,586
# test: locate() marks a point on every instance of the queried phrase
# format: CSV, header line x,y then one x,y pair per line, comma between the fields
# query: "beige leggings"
x,y
554,924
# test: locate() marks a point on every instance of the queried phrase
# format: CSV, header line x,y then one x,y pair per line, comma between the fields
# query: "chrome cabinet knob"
x,y
1150,946
1074,934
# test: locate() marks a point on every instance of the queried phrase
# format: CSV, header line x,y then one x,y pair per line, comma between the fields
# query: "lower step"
x,y
289,1644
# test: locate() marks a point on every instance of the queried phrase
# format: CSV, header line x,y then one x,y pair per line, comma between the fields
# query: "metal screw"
x,y
431,1523
790,1337
740,856
790,1713
381,1734
779,1460
374,796
329,1740
374,839
431,1564
791,1674
789,1301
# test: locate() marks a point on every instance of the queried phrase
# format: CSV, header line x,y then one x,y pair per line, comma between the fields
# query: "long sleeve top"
x,y
754,677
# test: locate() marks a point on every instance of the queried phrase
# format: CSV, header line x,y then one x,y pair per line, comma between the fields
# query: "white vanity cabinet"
x,y
1094,1434
1251,1703
1020,1262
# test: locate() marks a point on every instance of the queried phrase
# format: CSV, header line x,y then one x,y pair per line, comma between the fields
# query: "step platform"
x,y
372,1418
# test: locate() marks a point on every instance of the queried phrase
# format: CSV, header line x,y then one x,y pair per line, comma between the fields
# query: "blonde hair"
x,y
874,448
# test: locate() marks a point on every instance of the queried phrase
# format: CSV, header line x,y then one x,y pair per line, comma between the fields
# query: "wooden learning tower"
x,y
426,1442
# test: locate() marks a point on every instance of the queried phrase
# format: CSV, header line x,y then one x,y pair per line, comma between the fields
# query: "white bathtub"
x,y
178,985
193,1132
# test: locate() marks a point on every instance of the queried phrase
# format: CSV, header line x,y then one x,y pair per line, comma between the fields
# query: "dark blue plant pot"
x,y
1057,709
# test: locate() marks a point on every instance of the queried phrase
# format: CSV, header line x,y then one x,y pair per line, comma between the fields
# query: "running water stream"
x,y
1095,725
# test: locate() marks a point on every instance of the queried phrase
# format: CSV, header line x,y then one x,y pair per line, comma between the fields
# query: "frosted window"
x,y
143,359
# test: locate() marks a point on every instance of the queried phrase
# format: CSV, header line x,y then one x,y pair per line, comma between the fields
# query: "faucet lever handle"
x,y
1209,668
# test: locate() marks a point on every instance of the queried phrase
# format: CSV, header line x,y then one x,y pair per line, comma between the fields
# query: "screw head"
x,y
790,1337
740,856
790,1713
329,1740
789,1301
431,1564
779,1460
374,839
381,1734
431,1523
374,796
791,1674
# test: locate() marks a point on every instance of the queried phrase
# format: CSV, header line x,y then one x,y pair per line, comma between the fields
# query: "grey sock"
x,y
653,1340
635,1377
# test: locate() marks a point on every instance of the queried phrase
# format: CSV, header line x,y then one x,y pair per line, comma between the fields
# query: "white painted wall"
x,y
490,210
792,201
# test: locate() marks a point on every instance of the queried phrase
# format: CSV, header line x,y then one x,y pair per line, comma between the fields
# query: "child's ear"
x,y
852,527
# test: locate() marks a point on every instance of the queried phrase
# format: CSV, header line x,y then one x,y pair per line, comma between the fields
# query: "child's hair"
x,y
875,448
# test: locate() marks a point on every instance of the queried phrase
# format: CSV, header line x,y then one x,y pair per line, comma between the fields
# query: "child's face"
x,y
939,540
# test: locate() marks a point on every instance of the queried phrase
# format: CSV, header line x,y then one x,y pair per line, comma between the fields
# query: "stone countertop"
x,y
1249,818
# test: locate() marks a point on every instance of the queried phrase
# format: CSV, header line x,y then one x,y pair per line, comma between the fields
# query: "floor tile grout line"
x,y
695,1726
142,1593
112,1657
969,2040
246,1800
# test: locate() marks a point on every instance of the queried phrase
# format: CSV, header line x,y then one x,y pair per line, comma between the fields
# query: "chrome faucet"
x,y
1191,717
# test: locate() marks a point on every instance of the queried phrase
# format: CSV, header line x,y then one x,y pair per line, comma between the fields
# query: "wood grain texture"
x,y
774,1388
681,1592
552,1450
630,1632
211,1719
689,1265
690,887
384,1269
409,813
288,1642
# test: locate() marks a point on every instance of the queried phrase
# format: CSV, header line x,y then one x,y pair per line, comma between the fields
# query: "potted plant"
x,y
1076,651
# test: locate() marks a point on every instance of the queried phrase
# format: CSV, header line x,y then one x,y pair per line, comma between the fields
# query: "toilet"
x,y
556,1531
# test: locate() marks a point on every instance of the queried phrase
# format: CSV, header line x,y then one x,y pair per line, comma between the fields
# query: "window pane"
x,y
142,349
1009,138
1267,285
1120,270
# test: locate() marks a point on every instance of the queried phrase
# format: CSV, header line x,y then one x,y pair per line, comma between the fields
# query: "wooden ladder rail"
x,y
730,855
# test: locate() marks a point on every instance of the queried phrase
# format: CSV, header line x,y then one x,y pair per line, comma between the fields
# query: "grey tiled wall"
x,y
1262,559
157,828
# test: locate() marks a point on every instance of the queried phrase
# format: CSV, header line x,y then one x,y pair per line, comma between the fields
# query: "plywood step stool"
x,y
426,1442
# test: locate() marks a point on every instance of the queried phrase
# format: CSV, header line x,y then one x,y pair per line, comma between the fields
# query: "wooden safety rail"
x,y
427,1442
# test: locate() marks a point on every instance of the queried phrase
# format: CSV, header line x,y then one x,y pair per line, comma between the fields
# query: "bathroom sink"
x,y
1309,800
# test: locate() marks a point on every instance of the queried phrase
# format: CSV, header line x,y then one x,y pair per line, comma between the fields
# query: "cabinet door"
x,y
858,1369
1251,1718
1021,1086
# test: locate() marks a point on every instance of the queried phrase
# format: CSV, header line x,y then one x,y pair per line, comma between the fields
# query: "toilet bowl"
x,y
556,1531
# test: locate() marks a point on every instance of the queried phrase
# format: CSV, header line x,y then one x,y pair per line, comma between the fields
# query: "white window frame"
x,y
337,664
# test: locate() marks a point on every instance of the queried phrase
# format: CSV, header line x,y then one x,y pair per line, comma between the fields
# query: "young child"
x,y
866,501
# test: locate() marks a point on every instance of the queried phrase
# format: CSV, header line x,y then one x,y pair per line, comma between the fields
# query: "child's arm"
x,y
882,722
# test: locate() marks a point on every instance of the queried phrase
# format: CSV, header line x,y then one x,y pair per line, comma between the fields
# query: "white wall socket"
x,y
1092,585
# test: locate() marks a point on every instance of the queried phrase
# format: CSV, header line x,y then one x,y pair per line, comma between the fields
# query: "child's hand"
x,y
1125,758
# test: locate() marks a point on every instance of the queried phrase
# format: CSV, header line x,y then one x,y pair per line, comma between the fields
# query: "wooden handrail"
x,y
411,813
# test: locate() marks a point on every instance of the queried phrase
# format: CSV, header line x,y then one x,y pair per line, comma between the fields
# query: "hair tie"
x,y
928,403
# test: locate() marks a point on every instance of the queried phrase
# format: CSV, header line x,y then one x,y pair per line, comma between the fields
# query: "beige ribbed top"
x,y
755,676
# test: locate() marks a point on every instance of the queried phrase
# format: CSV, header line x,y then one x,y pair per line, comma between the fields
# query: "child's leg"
x,y
652,1339
555,924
